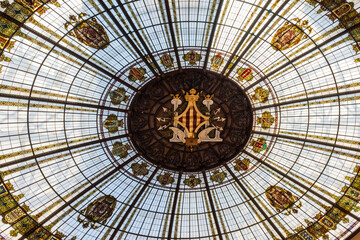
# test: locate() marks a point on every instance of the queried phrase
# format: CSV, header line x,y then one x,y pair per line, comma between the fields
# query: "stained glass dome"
x,y
159,119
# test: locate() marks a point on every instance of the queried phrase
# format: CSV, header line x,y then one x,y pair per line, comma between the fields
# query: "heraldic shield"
x,y
98,212
282,199
190,125
89,32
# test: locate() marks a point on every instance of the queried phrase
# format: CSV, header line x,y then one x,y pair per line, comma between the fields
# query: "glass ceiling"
x,y
57,158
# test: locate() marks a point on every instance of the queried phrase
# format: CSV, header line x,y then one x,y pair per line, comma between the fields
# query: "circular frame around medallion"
x,y
151,115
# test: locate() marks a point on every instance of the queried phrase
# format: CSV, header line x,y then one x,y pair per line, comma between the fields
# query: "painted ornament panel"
x,y
258,145
216,61
112,124
137,74
16,214
242,164
192,57
89,32
98,211
244,74
165,179
167,61
290,34
118,96
261,95
121,150
218,176
282,199
266,120
192,181
140,169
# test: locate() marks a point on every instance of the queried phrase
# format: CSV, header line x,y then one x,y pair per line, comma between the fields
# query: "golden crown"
x,y
209,97
175,96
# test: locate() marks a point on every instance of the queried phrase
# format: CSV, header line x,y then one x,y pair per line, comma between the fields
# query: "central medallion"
x,y
192,126
190,120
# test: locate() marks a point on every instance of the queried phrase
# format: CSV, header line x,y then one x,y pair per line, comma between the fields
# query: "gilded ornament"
x,y
118,96
244,74
216,61
121,150
140,169
165,179
218,176
192,181
192,57
242,165
266,120
261,95
282,200
258,145
112,124
290,35
97,212
137,74
89,32
167,61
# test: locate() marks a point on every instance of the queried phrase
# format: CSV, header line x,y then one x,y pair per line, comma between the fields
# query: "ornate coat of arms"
x,y
165,179
119,95
259,145
137,74
282,199
266,120
121,150
289,35
89,32
191,126
140,169
112,124
242,165
192,57
218,176
244,74
167,61
98,212
261,95
216,61
192,181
